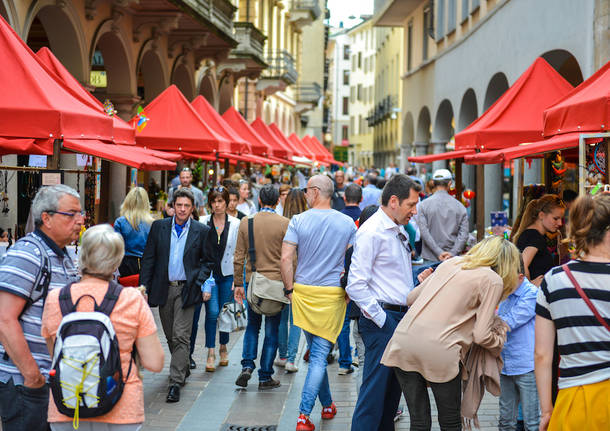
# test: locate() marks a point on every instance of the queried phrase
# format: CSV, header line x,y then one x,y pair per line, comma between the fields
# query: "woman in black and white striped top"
x,y
584,343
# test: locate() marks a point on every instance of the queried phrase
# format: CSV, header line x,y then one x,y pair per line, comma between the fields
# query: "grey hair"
x,y
325,184
101,251
47,199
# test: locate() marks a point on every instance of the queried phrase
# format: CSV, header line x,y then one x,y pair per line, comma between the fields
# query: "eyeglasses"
x,y
186,170
405,241
310,187
219,189
83,214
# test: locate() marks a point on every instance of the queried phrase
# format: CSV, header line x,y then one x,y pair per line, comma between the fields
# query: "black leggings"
x,y
448,397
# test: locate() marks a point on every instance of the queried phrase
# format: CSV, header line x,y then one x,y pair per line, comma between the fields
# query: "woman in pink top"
x,y
450,311
100,255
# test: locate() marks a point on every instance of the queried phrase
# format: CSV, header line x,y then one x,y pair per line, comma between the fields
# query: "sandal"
x,y
224,357
210,365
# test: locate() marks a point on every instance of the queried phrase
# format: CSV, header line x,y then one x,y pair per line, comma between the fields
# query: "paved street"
x,y
211,401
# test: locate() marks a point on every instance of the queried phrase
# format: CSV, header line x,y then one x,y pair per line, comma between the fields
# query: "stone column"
x,y
421,149
405,152
439,147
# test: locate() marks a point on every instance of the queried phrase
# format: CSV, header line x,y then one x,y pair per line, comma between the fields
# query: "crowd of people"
x,y
375,267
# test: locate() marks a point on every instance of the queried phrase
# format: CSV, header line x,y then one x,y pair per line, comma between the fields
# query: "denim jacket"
x,y
519,312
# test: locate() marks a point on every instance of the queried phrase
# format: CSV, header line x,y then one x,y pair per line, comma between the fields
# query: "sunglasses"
x,y
310,187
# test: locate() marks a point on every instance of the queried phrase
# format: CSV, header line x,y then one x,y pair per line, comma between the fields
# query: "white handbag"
x,y
232,317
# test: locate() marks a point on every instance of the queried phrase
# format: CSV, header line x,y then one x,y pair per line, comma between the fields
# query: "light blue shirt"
x,y
321,237
371,195
519,313
175,269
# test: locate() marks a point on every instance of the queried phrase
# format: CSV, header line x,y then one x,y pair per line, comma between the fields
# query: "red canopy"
x,y
429,158
584,109
279,148
248,158
34,105
321,155
175,126
129,155
243,129
287,144
303,149
43,147
220,126
123,132
559,142
517,115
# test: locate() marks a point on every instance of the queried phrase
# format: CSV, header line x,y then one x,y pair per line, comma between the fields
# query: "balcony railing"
x,y
281,66
309,92
310,6
250,40
382,111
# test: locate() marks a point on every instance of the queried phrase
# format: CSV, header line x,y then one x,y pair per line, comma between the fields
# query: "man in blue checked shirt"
x,y
517,380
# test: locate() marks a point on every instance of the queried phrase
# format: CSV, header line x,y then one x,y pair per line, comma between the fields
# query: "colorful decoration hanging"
x,y
469,194
109,108
141,120
558,171
595,163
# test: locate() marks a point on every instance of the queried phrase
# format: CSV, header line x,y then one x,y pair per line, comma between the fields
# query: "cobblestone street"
x,y
211,401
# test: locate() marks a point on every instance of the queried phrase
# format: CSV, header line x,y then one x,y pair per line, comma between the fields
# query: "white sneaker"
x,y
279,362
291,368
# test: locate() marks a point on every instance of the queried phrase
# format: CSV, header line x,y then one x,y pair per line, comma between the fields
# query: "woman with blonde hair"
x,y
541,216
99,256
134,226
449,312
574,304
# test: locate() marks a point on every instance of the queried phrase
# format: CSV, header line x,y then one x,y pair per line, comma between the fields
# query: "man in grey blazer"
x,y
176,262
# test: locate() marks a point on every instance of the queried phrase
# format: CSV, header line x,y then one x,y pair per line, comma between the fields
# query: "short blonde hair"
x,y
101,251
501,256
136,207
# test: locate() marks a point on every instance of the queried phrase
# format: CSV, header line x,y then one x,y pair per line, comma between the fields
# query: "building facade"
x,y
339,87
461,55
362,92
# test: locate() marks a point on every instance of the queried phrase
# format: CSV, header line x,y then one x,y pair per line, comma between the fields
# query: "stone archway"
x,y
183,79
152,76
498,84
566,64
56,25
422,134
208,89
7,11
468,110
443,131
226,90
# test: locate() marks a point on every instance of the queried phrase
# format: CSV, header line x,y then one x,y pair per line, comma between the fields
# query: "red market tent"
x,y
123,133
325,152
213,119
321,155
303,149
33,105
173,125
247,133
584,109
287,144
517,115
429,158
279,148
133,156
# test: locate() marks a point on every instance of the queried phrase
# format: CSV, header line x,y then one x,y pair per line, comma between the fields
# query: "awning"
x,y
279,148
559,142
429,158
247,158
302,148
167,155
123,133
213,119
584,109
517,115
287,144
257,144
174,125
34,105
43,147
136,157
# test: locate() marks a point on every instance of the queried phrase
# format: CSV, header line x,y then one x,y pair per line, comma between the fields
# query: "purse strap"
x,y
585,297
251,249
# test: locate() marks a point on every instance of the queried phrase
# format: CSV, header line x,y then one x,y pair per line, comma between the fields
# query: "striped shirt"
x,y
18,270
584,344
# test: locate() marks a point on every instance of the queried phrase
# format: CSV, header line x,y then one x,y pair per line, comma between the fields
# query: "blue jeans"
x,y
250,348
515,389
345,349
316,383
221,293
288,345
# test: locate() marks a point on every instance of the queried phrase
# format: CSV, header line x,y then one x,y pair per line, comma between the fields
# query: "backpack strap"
x,y
251,249
110,299
65,300
43,276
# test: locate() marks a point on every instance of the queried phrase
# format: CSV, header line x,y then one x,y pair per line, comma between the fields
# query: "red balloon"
x,y
469,194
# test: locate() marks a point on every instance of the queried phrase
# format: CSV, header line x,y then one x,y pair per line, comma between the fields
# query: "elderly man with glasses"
x,y
36,263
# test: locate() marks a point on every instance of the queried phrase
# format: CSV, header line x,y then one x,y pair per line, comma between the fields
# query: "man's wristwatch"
x,y
287,291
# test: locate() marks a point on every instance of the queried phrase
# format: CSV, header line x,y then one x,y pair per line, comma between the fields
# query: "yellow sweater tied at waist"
x,y
319,310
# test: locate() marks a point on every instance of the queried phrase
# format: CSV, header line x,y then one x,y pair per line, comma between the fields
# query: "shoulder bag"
x,y
585,298
264,296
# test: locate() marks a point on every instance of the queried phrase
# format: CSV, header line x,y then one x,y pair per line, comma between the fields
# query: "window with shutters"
x,y
345,52
409,44
345,109
465,11
440,19
359,93
359,60
346,77
451,15
345,133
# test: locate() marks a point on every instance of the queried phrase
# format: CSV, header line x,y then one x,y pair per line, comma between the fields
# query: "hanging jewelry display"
x,y
90,197
4,193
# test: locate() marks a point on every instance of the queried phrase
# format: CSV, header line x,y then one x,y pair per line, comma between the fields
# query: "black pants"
x,y
130,265
448,397
23,408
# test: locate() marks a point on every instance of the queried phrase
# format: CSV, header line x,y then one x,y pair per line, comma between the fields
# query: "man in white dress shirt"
x,y
379,280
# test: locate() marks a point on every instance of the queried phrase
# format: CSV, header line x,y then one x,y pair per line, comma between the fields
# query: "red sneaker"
x,y
329,412
304,424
